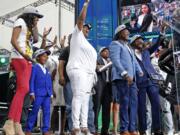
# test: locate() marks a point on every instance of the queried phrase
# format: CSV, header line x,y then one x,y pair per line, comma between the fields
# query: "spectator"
x,y
58,100
65,82
40,92
124,71
147,84
167,118
81,71
24,34
145,20
103,92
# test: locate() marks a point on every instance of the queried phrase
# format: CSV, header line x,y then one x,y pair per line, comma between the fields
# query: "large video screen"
x,y
147,17
133,2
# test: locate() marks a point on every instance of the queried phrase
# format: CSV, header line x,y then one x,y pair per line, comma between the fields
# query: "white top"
x,y
140,21
154,62
23,40
107,71
82,54
43,68
138,55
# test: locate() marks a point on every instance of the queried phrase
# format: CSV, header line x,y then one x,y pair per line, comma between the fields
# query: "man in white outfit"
x,y
81,71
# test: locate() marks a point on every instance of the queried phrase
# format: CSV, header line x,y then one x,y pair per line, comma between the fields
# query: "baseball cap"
x,y
88,25
32,10
134,38
120,28
102,49
40,52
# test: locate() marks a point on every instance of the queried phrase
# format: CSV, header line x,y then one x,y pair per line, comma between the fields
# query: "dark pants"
x,y
152,91
103,97
25,110
129,103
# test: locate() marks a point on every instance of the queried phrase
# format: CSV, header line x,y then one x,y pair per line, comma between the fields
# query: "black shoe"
x,y
142,133
103,133
158,133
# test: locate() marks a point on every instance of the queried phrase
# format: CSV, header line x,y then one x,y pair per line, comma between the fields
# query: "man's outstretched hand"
x,y
87,1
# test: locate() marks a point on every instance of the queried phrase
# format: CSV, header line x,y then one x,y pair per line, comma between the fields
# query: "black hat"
x,y
88,25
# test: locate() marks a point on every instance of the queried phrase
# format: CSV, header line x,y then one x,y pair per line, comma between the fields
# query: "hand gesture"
x,y
54,94
54,41
32,98
27,57
62,41
62,81
87,1
46,31
141,74
129,80
163,27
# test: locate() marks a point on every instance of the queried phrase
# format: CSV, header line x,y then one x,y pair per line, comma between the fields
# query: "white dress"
x,y
52,64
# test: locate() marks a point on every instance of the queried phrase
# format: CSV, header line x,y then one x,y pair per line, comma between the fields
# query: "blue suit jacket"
x,y
146,65
40,83
123,60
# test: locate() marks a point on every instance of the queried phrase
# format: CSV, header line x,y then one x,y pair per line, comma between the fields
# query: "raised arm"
x,y
62,41
61,72
45,34
160,39
82,16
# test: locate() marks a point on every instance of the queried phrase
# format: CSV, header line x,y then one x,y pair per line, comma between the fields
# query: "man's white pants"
x,y
81,84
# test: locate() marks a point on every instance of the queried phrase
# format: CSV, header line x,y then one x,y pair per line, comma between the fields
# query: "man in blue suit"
x,y
147,84
40,92
124,69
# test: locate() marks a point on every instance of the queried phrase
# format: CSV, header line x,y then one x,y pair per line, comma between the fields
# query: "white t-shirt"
x,y
82,54
23,40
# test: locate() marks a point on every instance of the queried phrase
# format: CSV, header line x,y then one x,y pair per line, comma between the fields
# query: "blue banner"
x,y
103,15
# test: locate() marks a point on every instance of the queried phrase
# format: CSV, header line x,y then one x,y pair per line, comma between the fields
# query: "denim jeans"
x,y
91,125
68,101
129,102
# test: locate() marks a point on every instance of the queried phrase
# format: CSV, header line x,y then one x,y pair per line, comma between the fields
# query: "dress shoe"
x,y
125,133
158,133
142,133
133,133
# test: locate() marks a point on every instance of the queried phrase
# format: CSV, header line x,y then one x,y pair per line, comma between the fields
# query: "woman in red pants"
x,y
23,36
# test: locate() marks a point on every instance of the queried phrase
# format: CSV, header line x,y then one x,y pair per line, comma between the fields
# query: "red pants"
x,y
23,73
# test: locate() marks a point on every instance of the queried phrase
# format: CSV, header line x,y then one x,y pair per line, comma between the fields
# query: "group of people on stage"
x,y
80,80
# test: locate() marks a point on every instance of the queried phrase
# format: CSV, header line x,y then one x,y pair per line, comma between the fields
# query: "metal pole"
x,y
59,19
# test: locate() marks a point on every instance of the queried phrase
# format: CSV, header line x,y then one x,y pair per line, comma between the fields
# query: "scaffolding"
x,y
64,4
